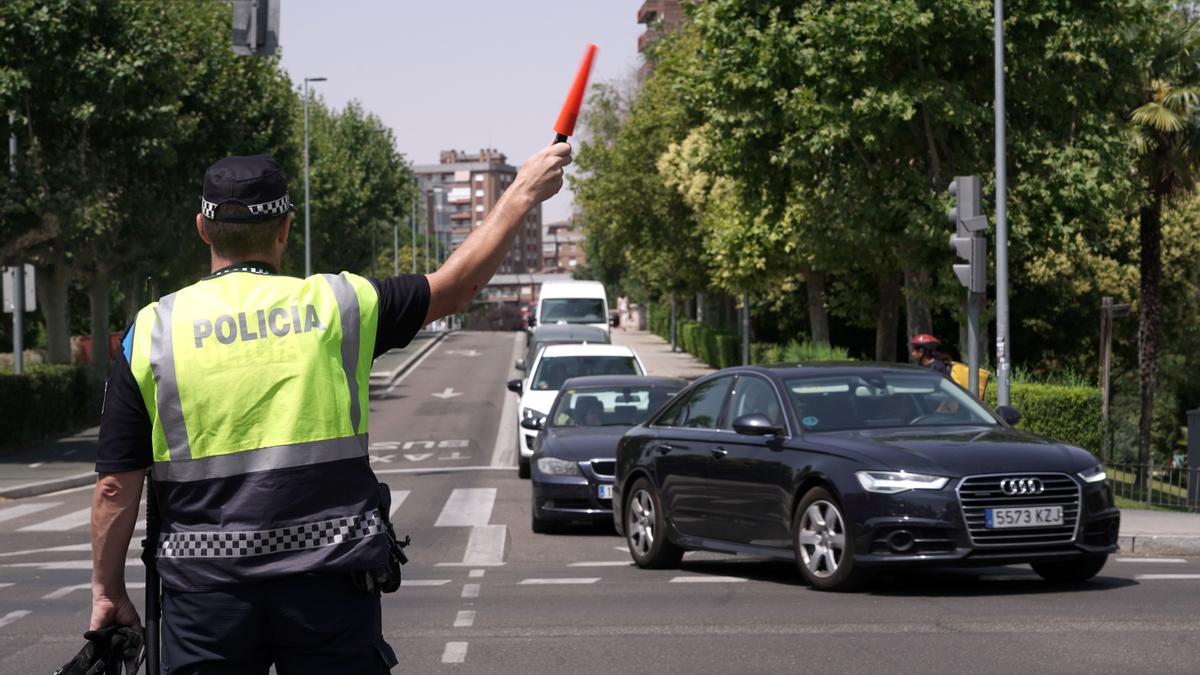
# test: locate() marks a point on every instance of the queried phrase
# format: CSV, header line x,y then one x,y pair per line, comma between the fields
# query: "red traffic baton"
x,y
565,126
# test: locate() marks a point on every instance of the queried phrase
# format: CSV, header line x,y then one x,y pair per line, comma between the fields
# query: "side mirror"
x,y
614,321
531,424
520,364
1010,415
532,321
514,386
756,424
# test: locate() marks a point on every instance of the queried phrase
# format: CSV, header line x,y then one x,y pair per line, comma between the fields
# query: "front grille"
x,y
977,493
605,468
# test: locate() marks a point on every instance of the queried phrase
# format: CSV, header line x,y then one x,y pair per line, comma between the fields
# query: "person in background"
x,y
923,349
623,310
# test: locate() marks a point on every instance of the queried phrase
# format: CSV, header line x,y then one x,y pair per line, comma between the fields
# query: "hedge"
x,y
717,348
1065,413
46,401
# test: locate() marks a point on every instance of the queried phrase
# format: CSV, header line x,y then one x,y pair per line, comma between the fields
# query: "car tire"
x,y
1071,571
523,467
646,528
824,543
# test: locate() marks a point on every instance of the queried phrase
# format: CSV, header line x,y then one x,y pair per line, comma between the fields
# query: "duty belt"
x,y
238,544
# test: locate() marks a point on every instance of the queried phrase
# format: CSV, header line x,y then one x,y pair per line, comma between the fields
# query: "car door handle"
x,y
664,448
719,452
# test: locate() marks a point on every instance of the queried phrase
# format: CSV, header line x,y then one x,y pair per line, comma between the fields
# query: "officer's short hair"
x,y
239,240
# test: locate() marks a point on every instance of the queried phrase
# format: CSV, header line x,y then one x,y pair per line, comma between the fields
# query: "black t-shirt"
x,y
125,427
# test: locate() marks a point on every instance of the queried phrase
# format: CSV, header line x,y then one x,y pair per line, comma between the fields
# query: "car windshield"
x,y
573,310
877,400
608,407
554,370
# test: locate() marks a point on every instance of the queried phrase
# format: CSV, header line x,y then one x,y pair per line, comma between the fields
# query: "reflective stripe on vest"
x,y
241,544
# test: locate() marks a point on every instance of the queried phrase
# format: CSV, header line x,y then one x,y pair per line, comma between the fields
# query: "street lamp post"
x,y
307,225
1003,343
412,220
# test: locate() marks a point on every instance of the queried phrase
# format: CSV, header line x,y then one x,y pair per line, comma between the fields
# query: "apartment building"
x,y
562,247
661,17
458,193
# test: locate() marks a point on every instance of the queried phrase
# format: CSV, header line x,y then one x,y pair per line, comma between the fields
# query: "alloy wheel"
x,y
822,539
641,520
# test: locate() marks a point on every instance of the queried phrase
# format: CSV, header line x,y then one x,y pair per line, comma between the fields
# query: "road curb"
x,y
48,486
1159,544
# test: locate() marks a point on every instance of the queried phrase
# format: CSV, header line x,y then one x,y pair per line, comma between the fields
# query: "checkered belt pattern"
x,y
263,542
273,208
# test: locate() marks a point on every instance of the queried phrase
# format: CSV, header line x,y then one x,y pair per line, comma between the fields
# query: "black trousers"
x,y
301,624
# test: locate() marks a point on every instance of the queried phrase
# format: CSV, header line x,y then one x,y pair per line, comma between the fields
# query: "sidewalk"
x,y
1159,533
70,461
657,357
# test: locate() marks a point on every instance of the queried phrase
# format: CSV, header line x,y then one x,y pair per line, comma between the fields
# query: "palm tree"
x,y
1166,133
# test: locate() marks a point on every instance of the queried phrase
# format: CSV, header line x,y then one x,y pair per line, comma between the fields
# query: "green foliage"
x,y
717,348
1070,414
51,400
795,351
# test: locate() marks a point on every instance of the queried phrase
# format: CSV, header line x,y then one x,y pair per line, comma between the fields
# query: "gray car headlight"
x,y
1094,474
553,466
891,482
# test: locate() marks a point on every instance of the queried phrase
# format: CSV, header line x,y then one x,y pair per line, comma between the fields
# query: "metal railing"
x,y
1151,486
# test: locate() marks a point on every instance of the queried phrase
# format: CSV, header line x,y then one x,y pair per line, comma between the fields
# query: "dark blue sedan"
x,y
575,453
849,468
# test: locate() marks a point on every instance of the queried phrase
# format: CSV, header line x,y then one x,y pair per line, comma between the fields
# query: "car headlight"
x,y
891,482
554,466
531,415
1094,474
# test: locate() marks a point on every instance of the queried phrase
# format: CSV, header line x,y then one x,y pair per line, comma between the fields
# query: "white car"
x,y
552,366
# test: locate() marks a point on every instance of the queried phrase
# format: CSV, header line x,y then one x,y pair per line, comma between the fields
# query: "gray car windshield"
x,y
554,370
573,310
608,407
880,400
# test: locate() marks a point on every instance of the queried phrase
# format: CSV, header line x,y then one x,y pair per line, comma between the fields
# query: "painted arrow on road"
x,y
449,393
464,352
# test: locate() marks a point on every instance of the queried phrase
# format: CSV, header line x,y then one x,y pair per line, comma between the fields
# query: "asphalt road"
x,y
483,594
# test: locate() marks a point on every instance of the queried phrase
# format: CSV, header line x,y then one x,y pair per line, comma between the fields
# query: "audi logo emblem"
x,y
1022,486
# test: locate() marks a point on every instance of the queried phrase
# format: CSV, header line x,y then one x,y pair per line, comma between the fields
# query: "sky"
x,y
459,74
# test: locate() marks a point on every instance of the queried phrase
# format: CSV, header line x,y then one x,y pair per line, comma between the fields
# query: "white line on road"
x,y
67,590
463,564
13,616
41,483
504,453
602,563
707,580
470,591
52,549
36,465
456,652
558,581
65,564
486,545
6,584
1151,560
475,574
11,512
68,522
465,618
398,497
1166,577
467,507
424,582
445,469
414,368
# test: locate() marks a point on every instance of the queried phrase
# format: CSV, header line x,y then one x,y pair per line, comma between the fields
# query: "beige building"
x,y
661,17
562,247
459,192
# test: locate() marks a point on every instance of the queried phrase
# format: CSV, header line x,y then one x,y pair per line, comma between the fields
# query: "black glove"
x,y
110,651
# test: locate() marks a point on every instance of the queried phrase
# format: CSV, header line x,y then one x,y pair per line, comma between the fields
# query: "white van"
x,y
573,302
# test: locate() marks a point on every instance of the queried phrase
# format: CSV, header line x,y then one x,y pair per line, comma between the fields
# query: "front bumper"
x,y
571,497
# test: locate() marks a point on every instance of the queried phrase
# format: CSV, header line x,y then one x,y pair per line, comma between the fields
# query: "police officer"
x,y
924,350
246,395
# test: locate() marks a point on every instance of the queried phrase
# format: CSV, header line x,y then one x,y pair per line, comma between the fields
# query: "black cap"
x,y
257,182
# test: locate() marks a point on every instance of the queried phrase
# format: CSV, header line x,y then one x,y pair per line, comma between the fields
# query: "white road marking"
x,y
467,507
1166,577
6,584
417,457
445,469
398,497
504,453
623,549
558,581
36,465
465,618
602,563
13,616
706,580
463,564
67,590
456,455
1151,560
464,352
475,574
52,549
470,591
74,477
486,545
456,652
11,512
424,582
62,523
448,392
415,366
66,564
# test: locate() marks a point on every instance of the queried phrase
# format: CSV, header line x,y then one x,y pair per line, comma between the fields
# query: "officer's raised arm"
x,y
469,268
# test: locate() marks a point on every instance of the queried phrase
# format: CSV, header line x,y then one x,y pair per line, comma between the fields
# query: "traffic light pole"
x,y
974,312
1003,357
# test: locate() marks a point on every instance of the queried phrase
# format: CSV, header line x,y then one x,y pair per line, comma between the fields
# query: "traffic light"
x,y
255,27
969,240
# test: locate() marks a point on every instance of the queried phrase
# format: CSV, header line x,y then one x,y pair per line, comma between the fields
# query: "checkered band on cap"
x,y
263,542
273,208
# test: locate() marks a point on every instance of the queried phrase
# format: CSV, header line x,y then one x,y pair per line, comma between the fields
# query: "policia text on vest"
x,y
278,320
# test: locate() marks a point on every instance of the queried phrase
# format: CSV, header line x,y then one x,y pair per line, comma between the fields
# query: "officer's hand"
x,y
541,176
108,611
